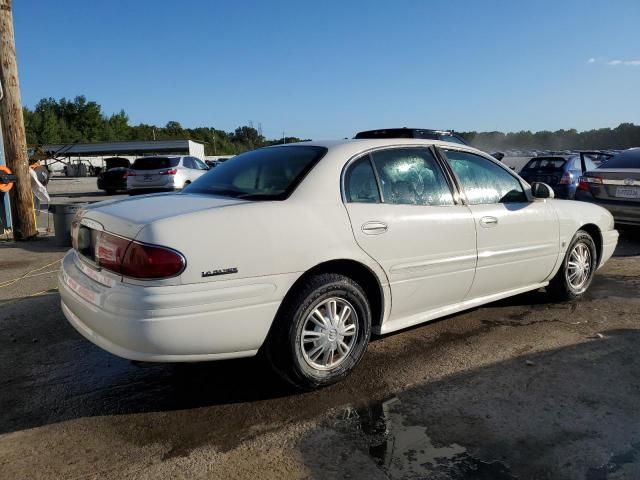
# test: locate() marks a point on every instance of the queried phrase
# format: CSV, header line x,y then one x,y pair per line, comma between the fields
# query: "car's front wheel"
x,y
321,332
577,269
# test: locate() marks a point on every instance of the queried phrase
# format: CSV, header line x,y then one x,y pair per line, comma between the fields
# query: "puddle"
x,y
616,462
406,451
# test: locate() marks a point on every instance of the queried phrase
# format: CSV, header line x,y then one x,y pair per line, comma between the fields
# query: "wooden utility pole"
x,y
15,141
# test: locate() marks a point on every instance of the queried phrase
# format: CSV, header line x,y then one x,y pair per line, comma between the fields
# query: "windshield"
x,y
155,163
550,163
626,159
264,174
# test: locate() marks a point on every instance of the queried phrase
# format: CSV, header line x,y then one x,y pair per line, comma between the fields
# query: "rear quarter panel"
x,y
258,239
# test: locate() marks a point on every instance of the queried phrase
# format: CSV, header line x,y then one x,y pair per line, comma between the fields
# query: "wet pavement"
x,y
521,388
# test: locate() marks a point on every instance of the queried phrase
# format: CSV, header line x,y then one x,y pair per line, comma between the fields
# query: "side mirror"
x,y
542,190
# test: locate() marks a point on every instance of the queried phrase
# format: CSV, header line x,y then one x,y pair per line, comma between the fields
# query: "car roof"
x,y
350,146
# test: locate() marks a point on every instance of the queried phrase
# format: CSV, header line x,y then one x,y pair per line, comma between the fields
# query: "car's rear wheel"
x,y
577,269
321,332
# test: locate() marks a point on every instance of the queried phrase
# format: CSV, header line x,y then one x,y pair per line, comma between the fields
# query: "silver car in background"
x,y
615,185
163,173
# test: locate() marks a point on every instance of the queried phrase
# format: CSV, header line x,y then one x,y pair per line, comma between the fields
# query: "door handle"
x,y
374,228
488,222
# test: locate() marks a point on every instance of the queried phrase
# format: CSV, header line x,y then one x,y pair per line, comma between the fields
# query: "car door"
x,y
406,216
517,238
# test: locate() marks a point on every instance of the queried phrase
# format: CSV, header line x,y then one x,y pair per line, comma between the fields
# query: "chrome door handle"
x,y
374,228
488,221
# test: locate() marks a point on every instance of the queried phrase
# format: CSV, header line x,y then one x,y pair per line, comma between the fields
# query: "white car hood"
x,y
128,216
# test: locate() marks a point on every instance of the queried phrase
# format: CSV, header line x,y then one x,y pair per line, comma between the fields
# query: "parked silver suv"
x,y
163,173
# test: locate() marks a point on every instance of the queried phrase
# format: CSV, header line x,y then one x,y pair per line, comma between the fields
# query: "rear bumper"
x,y
184,323
169,184
627,213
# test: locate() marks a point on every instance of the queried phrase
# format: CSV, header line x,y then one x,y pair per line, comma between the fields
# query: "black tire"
x,y
283,347
560,287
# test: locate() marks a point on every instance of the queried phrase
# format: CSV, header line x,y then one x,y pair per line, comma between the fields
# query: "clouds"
x,y
627,63
616,62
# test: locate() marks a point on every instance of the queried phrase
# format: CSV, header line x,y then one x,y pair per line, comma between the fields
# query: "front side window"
x,y
483,181
265,174
411,176
360,182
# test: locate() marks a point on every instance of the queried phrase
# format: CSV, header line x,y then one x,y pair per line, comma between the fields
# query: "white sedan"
x,y
301,251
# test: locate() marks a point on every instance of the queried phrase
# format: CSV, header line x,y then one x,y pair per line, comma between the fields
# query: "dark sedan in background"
x,y
113,177
615,185
560,172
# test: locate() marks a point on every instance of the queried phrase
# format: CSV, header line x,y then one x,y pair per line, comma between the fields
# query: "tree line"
x,y
625,135
80,120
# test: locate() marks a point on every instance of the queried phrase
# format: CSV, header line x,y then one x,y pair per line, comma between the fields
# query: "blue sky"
x,y
327,69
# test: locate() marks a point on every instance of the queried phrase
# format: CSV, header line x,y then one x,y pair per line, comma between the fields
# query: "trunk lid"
x,y
126,217
622,184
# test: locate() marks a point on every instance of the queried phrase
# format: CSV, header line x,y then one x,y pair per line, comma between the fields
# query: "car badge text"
x,y
221,271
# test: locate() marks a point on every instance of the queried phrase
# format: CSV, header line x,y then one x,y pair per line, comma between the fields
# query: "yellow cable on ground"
x,y
11,282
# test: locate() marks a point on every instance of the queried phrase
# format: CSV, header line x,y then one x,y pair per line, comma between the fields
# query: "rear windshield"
x,y
388,133
117,162
155,163
552,163
626,159
263,174
452,139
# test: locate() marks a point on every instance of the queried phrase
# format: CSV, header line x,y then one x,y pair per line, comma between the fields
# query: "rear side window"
x,y
155,163
360,182
411,176
265,174
626,159
483,181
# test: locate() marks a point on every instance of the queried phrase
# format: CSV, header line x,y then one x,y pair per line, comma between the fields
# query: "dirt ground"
x,y
522,388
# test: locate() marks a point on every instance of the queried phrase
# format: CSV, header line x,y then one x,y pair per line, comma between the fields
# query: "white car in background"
x,y
303,250
163,173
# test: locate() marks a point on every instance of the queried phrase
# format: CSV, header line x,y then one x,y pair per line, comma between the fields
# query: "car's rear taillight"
x,y
583,182
136,260
171,171
566,179
110,251
150,261
130,173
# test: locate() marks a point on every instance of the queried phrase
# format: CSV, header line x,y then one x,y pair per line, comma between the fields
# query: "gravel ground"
x,y
522,388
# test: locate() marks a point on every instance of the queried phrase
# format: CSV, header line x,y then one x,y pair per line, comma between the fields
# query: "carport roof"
x,y
122,148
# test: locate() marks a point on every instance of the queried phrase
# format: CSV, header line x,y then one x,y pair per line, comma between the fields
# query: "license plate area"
x,y
147,177
628,192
